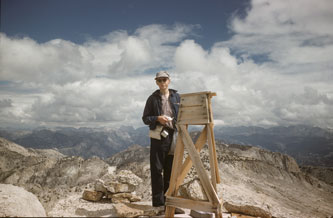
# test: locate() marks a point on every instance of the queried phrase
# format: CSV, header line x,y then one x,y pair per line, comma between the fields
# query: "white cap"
x,y
162,74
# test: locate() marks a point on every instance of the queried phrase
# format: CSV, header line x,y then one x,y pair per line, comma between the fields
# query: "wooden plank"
x,y
213,168
192,106
210,111
197,109
190,204
193,100
193,113
198,93
188,162
197,116
177,161
194,122
179,114
211,129
194,116
170,210
189,116
207,185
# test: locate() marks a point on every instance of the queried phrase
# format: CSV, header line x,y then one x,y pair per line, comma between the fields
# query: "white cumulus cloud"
x,y
276,69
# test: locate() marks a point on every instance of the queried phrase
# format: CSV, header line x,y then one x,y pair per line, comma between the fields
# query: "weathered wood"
x,y
193,100
211,129
203,104
192,106
188,162
211,158
194,122
190,204
173,187
198,93
170,210
195,109
210,110
177,161
194,116
207,185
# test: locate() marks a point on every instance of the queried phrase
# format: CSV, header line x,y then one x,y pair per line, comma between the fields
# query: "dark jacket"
x,y
153,108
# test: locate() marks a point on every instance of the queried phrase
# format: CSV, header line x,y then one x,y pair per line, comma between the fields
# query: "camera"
x,y
164,133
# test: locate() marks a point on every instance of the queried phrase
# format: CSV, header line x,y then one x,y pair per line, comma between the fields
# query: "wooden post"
x,y
195,109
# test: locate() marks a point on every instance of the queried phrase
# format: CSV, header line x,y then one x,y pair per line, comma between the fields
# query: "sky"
x,y
86,63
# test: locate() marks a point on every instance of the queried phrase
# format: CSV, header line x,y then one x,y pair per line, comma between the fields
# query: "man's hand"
x,y
162,119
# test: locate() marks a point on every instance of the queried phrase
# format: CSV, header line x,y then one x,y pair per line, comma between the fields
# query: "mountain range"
x,y
84,142
254,181
308,145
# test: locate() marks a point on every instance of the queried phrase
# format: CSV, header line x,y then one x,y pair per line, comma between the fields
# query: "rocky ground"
x,y
255,182
271,183
48,174
322,173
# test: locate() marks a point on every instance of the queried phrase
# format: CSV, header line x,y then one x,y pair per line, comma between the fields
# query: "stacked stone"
x,y
116,187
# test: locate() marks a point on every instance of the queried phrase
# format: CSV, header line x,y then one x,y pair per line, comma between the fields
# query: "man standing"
x,y
160,114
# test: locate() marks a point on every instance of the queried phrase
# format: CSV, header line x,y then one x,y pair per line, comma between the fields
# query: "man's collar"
x,y
172,91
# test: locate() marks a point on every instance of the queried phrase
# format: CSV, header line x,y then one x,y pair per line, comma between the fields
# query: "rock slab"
x,y
247,209
17,202
123,210
92,195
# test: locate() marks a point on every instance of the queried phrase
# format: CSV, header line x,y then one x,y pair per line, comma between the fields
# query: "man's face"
x,y
163,82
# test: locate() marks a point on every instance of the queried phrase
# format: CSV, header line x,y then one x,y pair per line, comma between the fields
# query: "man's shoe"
x,y
160,210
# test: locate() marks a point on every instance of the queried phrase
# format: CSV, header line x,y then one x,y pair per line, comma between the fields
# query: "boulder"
x,y
113,187
17,202
146,207
117,200
247,209
193,190
128,177
95,211
100,186
92,195
123,210
123,198
122,182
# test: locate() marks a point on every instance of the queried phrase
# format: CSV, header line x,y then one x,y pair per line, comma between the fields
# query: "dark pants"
x,y
160,168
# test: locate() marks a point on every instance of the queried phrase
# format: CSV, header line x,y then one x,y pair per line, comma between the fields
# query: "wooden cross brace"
x,y
191,108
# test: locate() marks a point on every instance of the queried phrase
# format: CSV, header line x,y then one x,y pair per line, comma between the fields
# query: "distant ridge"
x,y
84,142
308,145
255,181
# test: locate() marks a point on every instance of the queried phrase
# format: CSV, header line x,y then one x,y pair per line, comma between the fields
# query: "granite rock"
x,y
17,202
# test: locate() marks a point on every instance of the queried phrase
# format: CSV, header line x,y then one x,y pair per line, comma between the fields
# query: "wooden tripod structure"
x,y
195,109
